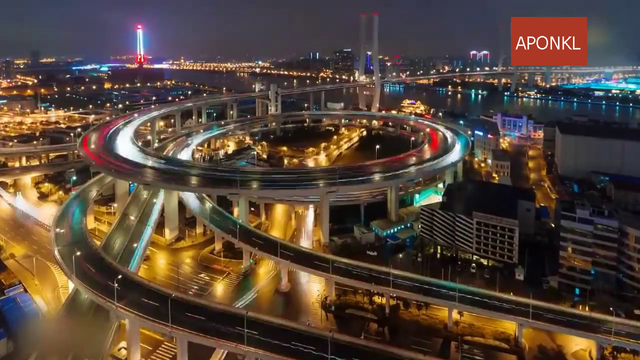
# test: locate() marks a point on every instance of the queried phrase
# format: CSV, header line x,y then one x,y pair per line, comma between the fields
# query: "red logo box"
x,y
548,41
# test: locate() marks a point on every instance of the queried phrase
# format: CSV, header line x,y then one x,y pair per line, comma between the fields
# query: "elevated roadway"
x,y
167,171
189,319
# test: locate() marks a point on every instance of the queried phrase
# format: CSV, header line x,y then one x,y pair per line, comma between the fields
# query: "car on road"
x,y
473,268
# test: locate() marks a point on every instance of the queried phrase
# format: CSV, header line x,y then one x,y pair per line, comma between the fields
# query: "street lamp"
x,y
377,147
153,101
115,289
613,323
255,154
72,180
412,138
73,261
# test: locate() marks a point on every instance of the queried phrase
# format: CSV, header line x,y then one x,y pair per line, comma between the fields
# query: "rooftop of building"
x,y
483,125
485,197
599,130
500,155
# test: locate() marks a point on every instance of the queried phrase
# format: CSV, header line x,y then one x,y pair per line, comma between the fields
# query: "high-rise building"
x,y
343,63
35,57
480,219
589,237
6,69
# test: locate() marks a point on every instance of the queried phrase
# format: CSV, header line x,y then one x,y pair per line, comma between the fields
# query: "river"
x,y
472,104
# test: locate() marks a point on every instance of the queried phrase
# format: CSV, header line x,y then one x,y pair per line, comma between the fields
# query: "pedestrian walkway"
x,y
61,278
166,351
232,279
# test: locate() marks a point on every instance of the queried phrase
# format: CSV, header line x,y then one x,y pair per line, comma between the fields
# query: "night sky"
x,y
260,29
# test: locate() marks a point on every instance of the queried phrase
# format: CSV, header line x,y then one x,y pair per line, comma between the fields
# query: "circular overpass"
x,y
112,148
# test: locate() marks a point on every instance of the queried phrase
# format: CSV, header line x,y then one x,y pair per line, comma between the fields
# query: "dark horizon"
x,y
251,29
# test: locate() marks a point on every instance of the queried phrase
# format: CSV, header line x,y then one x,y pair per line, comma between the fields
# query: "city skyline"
x,y
247,30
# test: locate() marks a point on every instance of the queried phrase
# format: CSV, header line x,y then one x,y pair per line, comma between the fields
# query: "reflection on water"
x,y
471,103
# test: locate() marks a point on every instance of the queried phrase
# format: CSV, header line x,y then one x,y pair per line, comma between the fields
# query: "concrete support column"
x,y
279,103
519,334
91,219
154,133
325,209
246,260
178,119
234,110
218,242
448,177
450,318
531,79
121,190
70,155
258,108
514,79
392,202
133,339
330,285
171,223
243,209
322,101
194,110
23,160
387,303
362,101
547,76
284,279
310,101
500,85
273,99
362,213
263,215
203,109
375,105
460,171
183,348
199,225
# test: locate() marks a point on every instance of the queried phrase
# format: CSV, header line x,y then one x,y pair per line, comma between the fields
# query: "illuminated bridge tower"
x,y
140,60
376,62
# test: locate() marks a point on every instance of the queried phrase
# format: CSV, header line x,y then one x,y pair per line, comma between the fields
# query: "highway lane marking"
x,y
321,264
146,346
150,302
256,240
286,252
89,266
303,345
195,316
151,248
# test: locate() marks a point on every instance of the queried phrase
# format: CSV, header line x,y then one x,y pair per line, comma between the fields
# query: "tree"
x,y
419,306
635,353
460,314
406,304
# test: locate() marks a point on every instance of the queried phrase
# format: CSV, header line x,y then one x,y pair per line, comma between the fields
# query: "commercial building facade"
x,y
472,223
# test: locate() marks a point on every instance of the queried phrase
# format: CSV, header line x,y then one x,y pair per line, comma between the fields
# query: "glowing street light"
x,y
73,261
377,148
412,138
